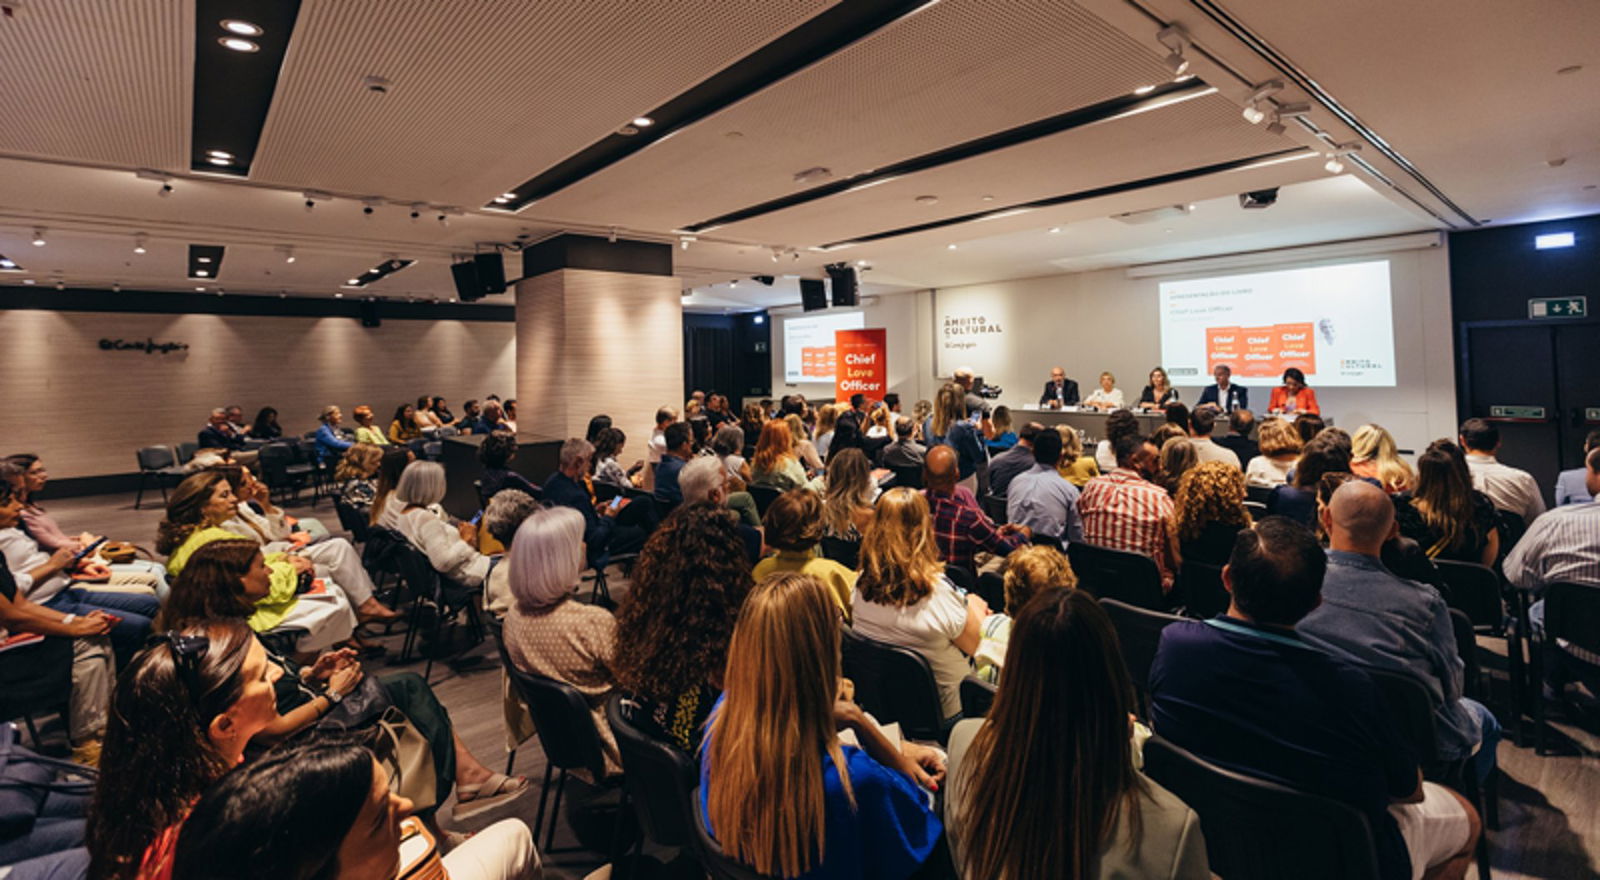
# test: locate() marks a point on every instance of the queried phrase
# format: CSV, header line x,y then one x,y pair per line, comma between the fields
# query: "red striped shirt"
x,y
1123,511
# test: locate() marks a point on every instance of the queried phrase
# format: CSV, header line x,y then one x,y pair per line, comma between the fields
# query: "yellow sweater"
x,y
270,611
838,579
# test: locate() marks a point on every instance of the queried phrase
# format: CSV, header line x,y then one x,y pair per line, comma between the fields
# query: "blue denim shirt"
x,y
1373,617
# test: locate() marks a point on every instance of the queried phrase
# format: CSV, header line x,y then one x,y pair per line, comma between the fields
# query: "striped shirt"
x,y
1562,546
1122,511
961,529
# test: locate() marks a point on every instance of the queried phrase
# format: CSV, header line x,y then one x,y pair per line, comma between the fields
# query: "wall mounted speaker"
x,y
843,278
369,314
813,294
491,272
465,276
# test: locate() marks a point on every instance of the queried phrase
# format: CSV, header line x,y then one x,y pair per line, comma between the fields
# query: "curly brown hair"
x,y
1211,491
674,625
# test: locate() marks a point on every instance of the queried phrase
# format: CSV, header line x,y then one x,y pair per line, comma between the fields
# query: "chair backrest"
x,y
1475,589
1258,509
378,553
1572,613
1117,574
1512,527
154,458
659,776
894,684
846,553
561,714
977,696
994,507
186,451
1467,650
1203,593
1139,634
413,566
1260,830
908,476
1257,495
1412,711
717,863
352,520
764,496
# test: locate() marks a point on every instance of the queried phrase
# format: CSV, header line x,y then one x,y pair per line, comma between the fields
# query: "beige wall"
x,y
592,342
87,410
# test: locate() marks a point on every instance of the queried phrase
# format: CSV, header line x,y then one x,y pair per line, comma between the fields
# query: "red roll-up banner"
x,y
860,364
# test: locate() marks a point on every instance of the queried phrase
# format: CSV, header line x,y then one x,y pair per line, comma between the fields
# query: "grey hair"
x,y
421,483
699,478
728,440
546,558
506,510
219,411
574,449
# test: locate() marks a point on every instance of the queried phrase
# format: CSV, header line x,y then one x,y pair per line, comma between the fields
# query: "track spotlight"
x,y
1335,163
139,243
288,253
1253,112
443,220
611,235
685,240
165,190
38,236
1176,42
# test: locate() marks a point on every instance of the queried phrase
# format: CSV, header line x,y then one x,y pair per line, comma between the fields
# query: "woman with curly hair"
x,y
774,464
673,626
1209,512
903,597
1280,449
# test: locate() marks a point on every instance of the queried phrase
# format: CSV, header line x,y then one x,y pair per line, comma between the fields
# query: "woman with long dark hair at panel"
x,y
181,715
1045,786
1446,516
1293,396
778,789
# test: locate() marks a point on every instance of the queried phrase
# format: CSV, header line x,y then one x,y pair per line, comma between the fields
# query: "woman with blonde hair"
x,y
774,465
847,500
1373,455
1210,512
357,476
778,789
1280,449
1075,467
919,414
1029,570
366,432
949,426
1159,392
1107,396
827,419
903,597
1178,455
804,449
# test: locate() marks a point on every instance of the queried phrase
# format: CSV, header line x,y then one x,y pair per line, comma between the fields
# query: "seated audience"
x,y
71,640
1159,393
863,815
1120,423
1107,396
470,413
1045,785
495,454
1004,438
1562,546
1075,467
366,431
404,427
503,515
750,422
218,433
1328,452
446,417
333,800
717,412
1444,514
1373,618
703,481
1178,455
1209,512
452,551
181,715
1571,486
608,469
794,526
491,418
195,514
774,466
848,497
1242,423
1018,459
804,449
1293,397
550,633
961,530
827,420
1308,720
266,425
1201,423
390,467
597,423
678,449
603,534
1511,489
1178,416
1374,456
1279,451
357,476
508,416
919,415
330,442
728,446
422,416
903,597
236,420
905,451
46,580
1123,510
225,580
700,435
674,624
878,427
1029,570
1040,499
1168,431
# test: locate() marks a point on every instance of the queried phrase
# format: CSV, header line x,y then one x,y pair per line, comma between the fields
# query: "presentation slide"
x,y
808,353
1333,322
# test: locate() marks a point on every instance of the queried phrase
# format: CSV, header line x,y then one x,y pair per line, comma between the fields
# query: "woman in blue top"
x,y
777,788
330,443
950,425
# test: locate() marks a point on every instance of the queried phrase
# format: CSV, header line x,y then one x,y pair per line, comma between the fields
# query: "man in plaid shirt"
x,y
960,527
1123,510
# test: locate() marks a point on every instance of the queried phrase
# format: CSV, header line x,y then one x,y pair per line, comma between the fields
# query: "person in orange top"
x,y
1293,396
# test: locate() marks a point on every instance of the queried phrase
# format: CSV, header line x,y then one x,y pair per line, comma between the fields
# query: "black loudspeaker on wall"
x,y
491,272
369,314
844,285
465,276
813,294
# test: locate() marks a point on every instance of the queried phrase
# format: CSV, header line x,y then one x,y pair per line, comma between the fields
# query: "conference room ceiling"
x,y
483,95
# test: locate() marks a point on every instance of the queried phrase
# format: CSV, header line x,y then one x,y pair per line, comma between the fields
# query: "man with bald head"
x,y
960,527
1059,391
1374,618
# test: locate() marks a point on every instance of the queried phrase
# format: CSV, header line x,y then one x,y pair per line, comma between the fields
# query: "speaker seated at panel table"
x,y
813,294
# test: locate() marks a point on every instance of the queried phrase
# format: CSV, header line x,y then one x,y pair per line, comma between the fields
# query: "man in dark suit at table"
x,y
1059,391
1225,395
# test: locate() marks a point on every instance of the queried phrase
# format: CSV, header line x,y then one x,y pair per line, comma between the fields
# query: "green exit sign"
x,y
1559,307
1591,414
1516,412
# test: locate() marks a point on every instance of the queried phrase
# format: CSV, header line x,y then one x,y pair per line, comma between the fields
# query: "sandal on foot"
x,y
479,796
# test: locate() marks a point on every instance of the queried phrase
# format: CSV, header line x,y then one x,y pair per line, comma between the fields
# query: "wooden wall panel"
x,y
87,410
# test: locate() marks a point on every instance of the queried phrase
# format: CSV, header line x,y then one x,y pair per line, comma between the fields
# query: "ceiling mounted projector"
x,y
1261,198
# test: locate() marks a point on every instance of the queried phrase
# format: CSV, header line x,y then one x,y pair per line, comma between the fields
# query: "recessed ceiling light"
x,y
28,281
218,161
338,296
1054,230
354,281
504,197
927,200
1144,90
38,236
203,259
199,290
643,121
202,273
241,27
238,44
219,154
7,263
138,243
950,247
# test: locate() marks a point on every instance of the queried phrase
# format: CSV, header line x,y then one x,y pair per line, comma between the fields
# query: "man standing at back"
x,y
1510,488
1123,510
1371,617
1243,691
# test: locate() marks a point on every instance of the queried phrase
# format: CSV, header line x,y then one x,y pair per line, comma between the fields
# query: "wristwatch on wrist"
x,y
334,697
67,621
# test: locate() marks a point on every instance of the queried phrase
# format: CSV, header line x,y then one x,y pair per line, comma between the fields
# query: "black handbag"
x,y
360,709
25,780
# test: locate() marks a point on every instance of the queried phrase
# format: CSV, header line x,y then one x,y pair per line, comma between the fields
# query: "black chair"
x,y
1572,615
186,451
1203,594
353,521
658,779
1257,495
283,641
1260,830
281,470
156,463
47,689
433,450
846,553
1467,650
1139,634
908,476
718,864
1475,589
977,696
994,507
1258,509
991,588
896,685
1117,574
449,600
764,496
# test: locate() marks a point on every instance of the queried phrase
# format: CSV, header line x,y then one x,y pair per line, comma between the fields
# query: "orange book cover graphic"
x,y
1262,352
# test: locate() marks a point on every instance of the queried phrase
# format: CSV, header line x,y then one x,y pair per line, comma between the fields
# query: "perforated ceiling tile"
x,y
486,93
955,71
95,81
